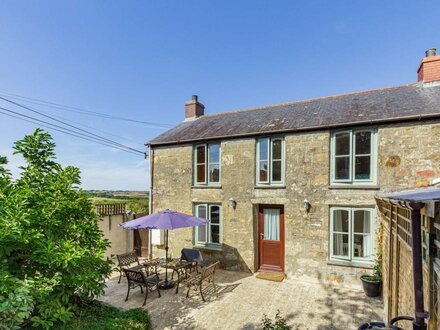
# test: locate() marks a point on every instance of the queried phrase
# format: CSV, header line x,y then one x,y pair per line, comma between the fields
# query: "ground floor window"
x,y
351,234
211,233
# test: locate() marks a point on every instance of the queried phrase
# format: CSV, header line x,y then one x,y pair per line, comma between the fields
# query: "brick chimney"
x,y
429,68
193,108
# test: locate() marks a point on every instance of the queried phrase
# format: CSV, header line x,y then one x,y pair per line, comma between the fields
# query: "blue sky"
x,y
144,59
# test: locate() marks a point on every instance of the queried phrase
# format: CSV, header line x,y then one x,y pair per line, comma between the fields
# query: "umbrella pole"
x,y
166,285
166,257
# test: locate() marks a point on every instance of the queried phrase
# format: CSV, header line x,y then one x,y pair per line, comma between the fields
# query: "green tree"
x,y
51,248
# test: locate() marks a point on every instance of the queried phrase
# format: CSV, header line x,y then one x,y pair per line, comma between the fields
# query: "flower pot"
x,y
372,286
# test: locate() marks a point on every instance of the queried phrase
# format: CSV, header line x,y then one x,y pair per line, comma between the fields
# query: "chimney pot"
x,y
193,108
429,68
431,52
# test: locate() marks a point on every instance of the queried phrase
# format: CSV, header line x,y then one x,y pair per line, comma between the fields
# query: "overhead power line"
x,y
91,135
81,111
64,130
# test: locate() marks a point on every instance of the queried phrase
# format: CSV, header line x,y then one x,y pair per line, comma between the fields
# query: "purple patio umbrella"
x,y
165,220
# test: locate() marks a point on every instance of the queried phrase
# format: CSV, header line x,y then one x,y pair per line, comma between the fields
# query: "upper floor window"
x,y
270,161
207,164
351,234
211,233
354,156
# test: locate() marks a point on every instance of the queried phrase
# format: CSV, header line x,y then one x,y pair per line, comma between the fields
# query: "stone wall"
x,y
408,156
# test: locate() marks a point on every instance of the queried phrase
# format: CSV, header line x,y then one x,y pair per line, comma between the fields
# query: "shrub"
x,y
279,323
51,248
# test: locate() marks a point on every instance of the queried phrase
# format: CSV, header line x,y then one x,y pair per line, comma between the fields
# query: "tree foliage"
x,y
51,248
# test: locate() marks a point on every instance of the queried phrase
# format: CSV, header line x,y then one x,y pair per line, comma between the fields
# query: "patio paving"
x,y
241,300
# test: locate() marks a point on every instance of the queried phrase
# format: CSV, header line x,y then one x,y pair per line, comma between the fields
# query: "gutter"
x,y
150,208
301,129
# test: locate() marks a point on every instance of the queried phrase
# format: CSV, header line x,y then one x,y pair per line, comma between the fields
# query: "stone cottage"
x,y
290,187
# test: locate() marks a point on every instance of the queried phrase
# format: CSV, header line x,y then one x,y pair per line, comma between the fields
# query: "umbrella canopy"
x,y
167,219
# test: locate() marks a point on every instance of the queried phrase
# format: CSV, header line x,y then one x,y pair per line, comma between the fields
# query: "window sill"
x,y
207,187
270,187
209,247
354,264
354,186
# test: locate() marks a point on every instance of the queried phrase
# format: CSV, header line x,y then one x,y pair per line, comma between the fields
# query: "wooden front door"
x,y
271,238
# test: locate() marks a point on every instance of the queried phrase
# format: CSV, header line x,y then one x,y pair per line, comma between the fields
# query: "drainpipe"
x,y
416,229
150,211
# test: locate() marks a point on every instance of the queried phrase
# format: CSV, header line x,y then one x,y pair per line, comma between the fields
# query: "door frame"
x,y
282,238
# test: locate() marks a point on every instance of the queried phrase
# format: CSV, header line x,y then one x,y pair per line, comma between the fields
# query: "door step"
x,y
271,276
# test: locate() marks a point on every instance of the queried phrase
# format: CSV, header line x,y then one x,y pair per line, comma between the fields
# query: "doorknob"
x,y
261,235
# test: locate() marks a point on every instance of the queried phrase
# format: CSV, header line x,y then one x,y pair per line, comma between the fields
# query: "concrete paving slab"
x,y
240,300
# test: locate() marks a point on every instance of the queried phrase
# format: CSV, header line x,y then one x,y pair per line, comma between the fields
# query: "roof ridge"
x,y
305,101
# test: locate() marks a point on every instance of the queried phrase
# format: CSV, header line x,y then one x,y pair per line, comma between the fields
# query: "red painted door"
x,y
271,238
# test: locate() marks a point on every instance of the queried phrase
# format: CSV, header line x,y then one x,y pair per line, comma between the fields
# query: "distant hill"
x,y
118,194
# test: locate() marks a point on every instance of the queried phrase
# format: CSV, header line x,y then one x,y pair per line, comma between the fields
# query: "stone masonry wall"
x,y
408,156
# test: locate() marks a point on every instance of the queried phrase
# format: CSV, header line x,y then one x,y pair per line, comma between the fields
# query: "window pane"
x,y
342,168
214,173
214,153
215,234
263,145
215,214
362,220
362,246
263,171
201,173
201,230
200,155
271,224
342,144
276,170
276,149
363,143
340,245
362,168
340,221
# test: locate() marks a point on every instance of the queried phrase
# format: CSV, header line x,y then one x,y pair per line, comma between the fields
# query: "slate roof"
x,y
407,102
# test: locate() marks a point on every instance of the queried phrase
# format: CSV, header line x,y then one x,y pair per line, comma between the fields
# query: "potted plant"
x,y
372,284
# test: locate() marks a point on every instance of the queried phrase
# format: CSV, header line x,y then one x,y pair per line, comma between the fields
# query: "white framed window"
x,y
207,165
354,157
351,234
211,234
270,161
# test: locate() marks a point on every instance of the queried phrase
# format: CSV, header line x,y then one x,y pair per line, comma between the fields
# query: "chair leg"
x,y
158,290
120,276
201,292
142,289
146,296
128,292
187,293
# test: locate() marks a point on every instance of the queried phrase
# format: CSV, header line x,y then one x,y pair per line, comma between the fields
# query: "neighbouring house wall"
x,y
121,239
405,158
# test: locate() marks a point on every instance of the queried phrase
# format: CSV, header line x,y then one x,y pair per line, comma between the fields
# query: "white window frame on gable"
x,y
346,250
351,159
203,235
208,163
266,161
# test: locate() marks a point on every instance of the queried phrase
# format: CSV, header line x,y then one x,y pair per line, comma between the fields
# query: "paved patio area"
x,y
240,301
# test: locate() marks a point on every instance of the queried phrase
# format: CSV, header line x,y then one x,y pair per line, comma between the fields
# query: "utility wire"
x,y
76,128
63,130
94,128
82,111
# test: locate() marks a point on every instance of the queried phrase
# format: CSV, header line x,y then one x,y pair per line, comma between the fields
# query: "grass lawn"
x,y
95,315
